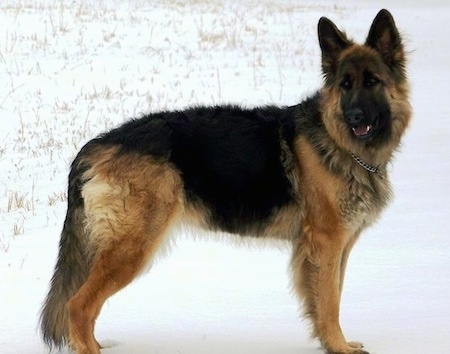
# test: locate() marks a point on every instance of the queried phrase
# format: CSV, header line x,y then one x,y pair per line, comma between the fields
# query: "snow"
x,y
73,69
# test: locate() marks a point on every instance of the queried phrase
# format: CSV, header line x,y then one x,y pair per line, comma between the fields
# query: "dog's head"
x,y
364,80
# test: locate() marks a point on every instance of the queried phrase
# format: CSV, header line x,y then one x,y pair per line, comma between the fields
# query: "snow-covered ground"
x,y
70,70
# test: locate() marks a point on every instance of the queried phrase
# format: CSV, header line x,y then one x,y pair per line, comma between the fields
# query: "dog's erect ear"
x,y
384,37
332,43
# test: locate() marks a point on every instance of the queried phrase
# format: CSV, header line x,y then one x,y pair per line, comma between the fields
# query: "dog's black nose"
x,y
354,116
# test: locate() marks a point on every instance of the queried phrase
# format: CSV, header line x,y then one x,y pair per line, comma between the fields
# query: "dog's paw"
x,y
356,345
352,348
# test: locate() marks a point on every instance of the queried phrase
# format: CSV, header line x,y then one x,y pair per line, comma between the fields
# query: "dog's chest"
x,y
360,204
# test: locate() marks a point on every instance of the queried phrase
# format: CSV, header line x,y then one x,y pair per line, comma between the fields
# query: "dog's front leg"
x,y
316,264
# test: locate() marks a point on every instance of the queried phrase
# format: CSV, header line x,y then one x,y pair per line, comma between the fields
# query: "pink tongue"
x,y
361,130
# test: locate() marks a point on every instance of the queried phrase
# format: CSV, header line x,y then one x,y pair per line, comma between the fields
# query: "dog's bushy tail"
x,y
72,266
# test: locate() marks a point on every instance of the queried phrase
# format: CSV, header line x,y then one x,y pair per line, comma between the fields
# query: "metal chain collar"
x,y
368,167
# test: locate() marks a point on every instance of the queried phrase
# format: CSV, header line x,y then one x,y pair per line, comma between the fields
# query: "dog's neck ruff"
x,y
368,167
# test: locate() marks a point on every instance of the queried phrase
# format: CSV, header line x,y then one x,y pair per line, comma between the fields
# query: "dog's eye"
x,y
346,83
370,81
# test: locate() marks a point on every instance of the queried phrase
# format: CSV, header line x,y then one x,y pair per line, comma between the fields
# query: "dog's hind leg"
x,y
127,219
112,270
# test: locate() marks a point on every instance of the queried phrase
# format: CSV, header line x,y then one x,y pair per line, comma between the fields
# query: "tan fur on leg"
x,y
129,209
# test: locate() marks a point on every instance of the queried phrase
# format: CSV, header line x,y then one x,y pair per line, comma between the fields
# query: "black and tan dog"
x,y
313,174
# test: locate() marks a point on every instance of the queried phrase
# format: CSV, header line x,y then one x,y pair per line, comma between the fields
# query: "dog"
x,y
313,174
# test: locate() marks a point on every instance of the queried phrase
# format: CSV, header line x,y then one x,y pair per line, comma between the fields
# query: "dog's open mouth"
x,y
362,131
365,131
